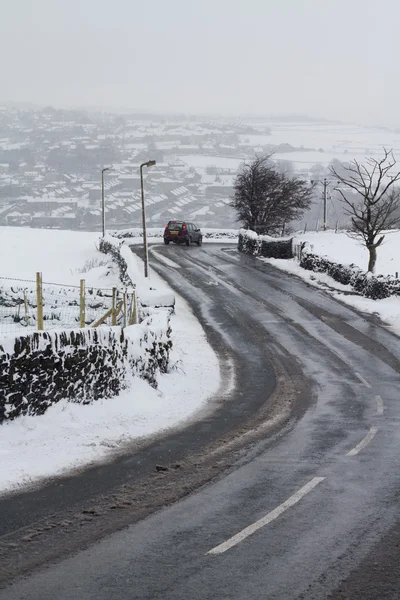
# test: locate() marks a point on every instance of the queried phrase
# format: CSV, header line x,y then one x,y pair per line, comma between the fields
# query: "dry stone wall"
x,y
81,365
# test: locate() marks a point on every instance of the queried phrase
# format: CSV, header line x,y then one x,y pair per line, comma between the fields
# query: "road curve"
x,y
303,515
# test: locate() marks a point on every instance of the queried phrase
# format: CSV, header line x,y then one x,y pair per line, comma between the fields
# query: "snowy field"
x,y
59,255
70,436
201,162
336,140
345,250
63,258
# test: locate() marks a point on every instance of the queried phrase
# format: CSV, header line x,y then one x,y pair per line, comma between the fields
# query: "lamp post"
x,y
149,163
103,208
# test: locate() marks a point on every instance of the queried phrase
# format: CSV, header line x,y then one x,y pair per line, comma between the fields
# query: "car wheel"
x,y
199,243
166,242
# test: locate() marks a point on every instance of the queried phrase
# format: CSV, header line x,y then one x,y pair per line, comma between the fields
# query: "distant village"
x,y
51,162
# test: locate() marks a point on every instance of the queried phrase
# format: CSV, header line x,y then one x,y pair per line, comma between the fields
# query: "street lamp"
x,y
149,163
103,208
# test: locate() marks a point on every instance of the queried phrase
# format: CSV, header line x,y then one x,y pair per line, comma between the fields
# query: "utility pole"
x,y
326,183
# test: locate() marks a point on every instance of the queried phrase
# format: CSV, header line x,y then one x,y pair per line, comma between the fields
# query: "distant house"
x,y
178,192
48,204
164,185
220,189
61,218
91,219
130,181
16,217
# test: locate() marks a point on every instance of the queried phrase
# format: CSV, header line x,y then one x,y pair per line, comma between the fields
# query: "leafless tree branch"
x,y
377,204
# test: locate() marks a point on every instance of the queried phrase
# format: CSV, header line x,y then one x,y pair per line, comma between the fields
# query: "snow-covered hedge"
x,y
123,234
80,365
370,286
264,245
148,296
116,249
158,232
220,234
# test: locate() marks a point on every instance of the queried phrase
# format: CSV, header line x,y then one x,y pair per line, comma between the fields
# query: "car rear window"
x,y
175,225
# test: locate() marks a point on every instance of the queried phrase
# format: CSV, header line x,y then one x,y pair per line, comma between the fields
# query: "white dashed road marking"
x,y
368,438
164,259
271,516
364,381
379,405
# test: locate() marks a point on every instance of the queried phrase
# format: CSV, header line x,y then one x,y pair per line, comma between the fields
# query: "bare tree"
x,y
376,205
265,199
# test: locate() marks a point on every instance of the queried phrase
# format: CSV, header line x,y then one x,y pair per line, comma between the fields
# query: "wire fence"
x,y
28,304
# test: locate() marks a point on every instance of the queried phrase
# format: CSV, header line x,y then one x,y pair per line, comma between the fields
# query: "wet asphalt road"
x,y
323,498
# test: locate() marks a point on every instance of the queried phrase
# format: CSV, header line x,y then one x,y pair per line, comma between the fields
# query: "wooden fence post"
x,y
125,321
113,307
39,300
82,304
26,308
133,315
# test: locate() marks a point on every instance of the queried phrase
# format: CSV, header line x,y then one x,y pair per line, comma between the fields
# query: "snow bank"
x,y
131,274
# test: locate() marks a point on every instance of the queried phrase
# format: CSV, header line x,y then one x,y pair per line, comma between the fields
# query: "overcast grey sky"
x,y
332,58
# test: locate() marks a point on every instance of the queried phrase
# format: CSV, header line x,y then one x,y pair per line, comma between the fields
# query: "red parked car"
x,y
181,232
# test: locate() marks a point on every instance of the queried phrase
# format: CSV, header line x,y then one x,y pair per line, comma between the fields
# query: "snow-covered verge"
x,y
348,282
388,309
342,247
371,286
131,275
71,435
155,235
